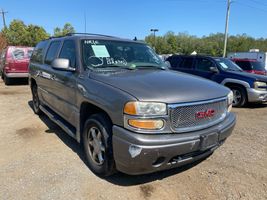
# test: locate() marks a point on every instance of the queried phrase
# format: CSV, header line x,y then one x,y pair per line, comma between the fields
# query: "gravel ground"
x,y
39,161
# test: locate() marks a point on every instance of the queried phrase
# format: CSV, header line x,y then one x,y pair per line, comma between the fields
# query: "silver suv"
x,y
119,100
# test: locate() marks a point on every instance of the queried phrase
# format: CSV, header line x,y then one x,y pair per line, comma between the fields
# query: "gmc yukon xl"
x,y
119,100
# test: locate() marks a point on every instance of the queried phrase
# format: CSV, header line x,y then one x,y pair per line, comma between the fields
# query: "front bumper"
x,y
256,95
142,153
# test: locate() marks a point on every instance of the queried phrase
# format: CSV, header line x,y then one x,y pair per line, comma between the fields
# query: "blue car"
x,y
246,87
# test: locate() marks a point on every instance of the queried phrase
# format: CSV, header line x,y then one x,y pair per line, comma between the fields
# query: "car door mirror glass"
x,y
62,64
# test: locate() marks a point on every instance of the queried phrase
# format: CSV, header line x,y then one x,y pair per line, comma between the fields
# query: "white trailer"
x,y
259,56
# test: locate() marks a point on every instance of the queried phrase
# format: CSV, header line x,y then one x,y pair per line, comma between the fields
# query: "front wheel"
x,y
97,144
240,96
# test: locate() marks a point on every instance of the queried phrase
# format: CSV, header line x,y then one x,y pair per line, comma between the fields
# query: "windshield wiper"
x,y
151,67
111,66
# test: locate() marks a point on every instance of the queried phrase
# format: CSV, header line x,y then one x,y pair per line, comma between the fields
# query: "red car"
x,y
14,63
251,66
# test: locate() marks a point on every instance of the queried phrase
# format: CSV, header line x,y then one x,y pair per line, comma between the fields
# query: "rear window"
x,y
18,54
251,65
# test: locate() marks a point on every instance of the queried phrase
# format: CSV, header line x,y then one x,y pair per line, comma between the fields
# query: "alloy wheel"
x,y
96,146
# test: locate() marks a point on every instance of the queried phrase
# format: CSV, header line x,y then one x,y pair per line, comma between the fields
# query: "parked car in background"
x,y
14,63
245,86
250,66
253,54
128,110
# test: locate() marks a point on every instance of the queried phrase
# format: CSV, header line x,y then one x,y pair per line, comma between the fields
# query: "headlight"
x,y
260,85
230,98
145,108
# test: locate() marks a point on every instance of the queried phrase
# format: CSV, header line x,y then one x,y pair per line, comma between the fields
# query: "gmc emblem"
x,y
205,114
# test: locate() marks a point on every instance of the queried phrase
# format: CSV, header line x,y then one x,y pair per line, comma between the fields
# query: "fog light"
x,y
149,124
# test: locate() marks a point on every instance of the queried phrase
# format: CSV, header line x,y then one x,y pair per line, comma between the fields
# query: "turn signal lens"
x,y
146,124
130,108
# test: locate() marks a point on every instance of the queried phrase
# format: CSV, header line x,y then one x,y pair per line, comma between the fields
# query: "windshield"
x,y
118,54
227,65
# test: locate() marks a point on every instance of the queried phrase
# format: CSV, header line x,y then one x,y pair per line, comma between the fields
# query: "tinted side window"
x,y
245,65
38,53
203,64
187,63
68,52
52,52
174,61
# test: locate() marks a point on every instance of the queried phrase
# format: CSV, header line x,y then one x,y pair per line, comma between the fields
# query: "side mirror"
x,y
214,69
168,64
62,64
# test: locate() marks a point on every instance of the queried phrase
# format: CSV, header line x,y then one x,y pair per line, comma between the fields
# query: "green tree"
x,y
36,34
16,33
3,42
67,28
19,34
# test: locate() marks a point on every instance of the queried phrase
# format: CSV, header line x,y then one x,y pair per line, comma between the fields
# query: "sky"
x,y
130,18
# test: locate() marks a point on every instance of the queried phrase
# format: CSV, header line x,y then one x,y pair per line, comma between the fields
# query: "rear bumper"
x,y
142,153
17,75
256,95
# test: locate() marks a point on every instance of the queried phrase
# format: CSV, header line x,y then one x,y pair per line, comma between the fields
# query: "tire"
x,y
97,144
36,100
240,96
7,80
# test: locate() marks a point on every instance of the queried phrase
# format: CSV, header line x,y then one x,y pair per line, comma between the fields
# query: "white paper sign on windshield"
x,y
100,51
223,65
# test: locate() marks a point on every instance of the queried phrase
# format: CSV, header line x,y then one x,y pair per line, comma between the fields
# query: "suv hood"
x,y
162,86
254,77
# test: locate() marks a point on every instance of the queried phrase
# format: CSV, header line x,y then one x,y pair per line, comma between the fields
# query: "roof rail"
x,y
92,34
51,37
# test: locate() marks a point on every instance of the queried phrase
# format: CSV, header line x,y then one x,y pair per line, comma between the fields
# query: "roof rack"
x,y
92,34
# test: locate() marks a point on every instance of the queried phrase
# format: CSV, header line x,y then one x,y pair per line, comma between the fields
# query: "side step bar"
x,y
56,119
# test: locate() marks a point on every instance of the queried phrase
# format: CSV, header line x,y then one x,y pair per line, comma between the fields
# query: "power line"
x,y
243,4
258,2
3,17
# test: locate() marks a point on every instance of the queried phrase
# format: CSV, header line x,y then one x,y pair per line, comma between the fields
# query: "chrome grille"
x,y
184,116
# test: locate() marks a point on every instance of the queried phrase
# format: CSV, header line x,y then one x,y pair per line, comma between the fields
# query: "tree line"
x,y
183,43
18,33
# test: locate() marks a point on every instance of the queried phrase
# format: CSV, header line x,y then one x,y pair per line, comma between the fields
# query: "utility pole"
x,y
85,22
154,36
3,17
226,27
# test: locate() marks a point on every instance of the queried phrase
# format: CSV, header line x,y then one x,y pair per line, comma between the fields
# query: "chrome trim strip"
x,y
196,103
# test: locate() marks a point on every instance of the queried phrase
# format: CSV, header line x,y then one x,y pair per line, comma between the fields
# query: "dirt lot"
x,y
39,161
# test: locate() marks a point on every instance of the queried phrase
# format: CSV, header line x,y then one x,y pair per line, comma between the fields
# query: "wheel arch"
x,y
87,109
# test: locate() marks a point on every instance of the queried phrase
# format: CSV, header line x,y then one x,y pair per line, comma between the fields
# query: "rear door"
x,y
46,75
